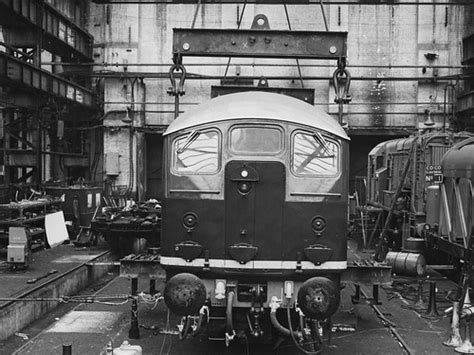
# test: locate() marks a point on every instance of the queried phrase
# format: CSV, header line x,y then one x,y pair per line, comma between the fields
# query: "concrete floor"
x,y
88,327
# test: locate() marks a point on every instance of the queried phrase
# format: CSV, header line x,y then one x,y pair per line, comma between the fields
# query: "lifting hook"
x,y
342,82
177,89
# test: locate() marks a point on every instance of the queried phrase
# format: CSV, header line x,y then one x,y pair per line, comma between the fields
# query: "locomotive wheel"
x,y
185,294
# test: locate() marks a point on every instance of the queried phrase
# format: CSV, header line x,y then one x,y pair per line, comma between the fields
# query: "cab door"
x,y
254,199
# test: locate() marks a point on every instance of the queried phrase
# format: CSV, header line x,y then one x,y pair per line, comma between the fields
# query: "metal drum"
x,y
410,264
414,245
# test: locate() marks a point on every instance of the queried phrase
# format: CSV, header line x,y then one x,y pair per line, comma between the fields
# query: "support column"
x,y
134,332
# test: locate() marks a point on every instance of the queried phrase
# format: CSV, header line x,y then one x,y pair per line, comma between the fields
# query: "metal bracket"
x,y
373,300
306,95
259,43
142,264
367,272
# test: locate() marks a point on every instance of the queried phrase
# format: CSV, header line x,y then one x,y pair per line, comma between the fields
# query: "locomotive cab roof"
x,y
257,105
459,160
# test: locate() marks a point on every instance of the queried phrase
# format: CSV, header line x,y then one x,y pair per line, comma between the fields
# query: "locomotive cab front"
x,y
255,207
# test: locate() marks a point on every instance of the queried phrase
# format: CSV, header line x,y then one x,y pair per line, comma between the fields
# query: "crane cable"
x,y
198,5
324,15
341,78
297,60
239,22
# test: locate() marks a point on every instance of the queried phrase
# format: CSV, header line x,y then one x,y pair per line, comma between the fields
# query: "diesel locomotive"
x,y
449,207
254,216
402,174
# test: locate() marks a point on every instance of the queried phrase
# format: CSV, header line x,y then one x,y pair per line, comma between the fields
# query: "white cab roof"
x,y
255,104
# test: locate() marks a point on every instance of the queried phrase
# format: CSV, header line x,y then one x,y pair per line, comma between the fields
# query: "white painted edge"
x,y
253,264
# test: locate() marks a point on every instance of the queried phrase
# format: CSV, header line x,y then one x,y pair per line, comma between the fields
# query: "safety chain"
x,y
144,298
177,90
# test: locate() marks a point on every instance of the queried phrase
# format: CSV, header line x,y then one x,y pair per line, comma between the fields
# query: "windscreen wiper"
x,y
320,139
189,139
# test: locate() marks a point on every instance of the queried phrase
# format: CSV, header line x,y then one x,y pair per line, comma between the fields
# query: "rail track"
x,y
18,310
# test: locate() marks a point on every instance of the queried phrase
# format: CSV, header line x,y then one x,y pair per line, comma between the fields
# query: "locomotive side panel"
x,y
457,194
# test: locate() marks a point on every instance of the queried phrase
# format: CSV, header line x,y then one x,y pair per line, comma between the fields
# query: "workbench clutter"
x,y
30,224
131,228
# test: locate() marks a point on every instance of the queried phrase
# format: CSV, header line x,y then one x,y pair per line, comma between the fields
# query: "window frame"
x,y
184,135
276,127
327,137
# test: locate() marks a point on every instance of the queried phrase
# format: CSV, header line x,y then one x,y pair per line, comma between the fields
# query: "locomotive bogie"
x,y
186,291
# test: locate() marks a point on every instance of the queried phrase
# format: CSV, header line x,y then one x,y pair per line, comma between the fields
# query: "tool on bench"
x,y
50,272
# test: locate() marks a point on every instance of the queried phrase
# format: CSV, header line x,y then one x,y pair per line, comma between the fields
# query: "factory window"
x,y
62,31
196,153
256,140
314,155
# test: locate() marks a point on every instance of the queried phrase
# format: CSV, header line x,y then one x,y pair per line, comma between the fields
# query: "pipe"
x,y
445,103
302,326
203,312
184,333
131,136
386,66
141,182
195,76
278,326
274,305
292,333
229,323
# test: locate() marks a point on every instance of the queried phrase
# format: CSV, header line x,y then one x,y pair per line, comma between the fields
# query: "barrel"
x,y
410,264
414,245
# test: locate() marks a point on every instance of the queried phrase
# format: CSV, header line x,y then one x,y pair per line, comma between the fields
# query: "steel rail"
x,y
389,325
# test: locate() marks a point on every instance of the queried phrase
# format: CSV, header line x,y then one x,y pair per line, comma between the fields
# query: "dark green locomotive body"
x,y
256,188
